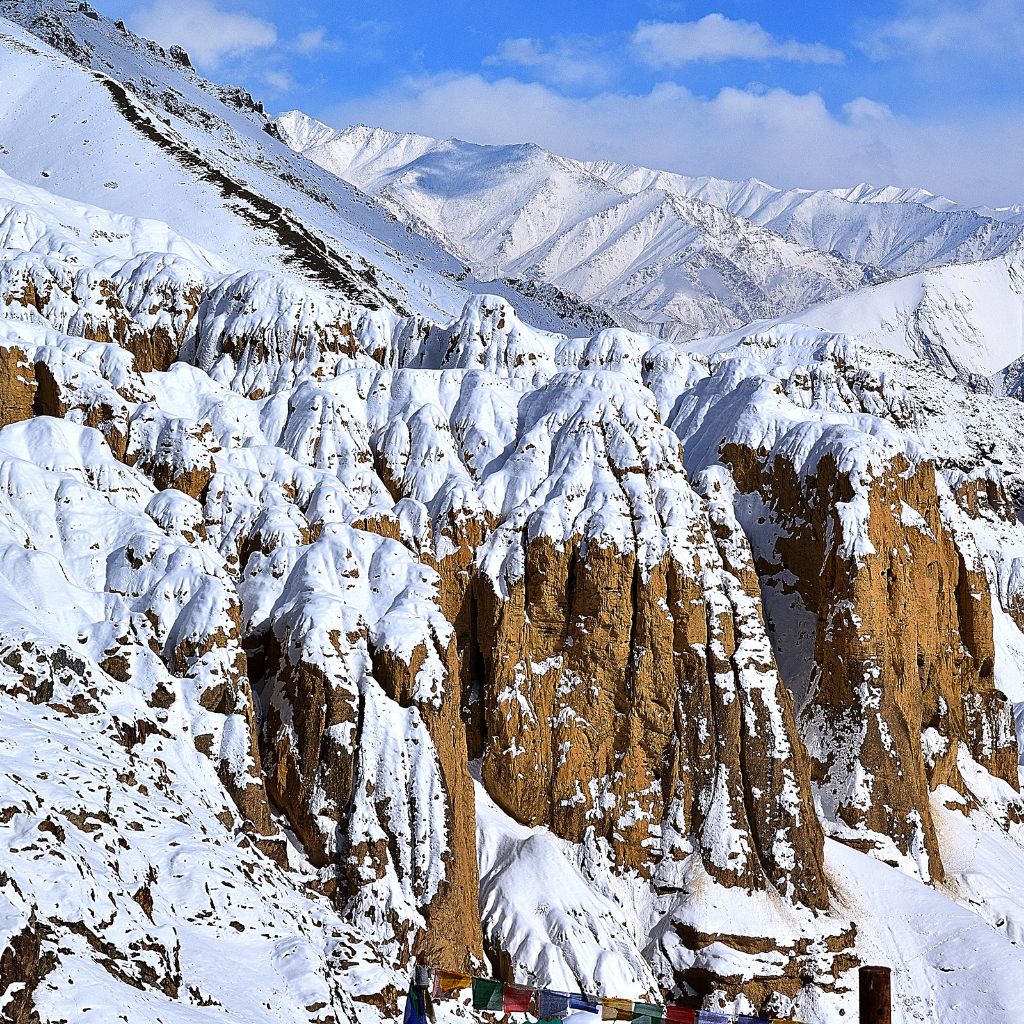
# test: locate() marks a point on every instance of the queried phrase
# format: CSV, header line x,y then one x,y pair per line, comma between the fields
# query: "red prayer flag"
x,y
518,1000
680,1015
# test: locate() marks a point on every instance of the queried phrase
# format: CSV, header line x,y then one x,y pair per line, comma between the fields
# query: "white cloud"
x,y
863,111
671,44
576,61
312,41
279,81
782,137
927,27
206,31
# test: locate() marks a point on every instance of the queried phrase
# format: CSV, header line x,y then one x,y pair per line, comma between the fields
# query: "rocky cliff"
x,y
435,599
334,634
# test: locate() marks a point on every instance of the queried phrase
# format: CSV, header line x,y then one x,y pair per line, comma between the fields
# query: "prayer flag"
x,y
552,1005
487,994
518,1000
712,1017
415,1008
447,983
648,1013
616,1009
581,1001
680,1015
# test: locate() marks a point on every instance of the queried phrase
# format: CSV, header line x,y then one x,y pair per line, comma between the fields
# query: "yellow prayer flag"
x,y
616,1009
449,982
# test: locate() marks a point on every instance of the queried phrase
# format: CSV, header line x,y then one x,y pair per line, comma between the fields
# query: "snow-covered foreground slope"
x,y
113,121
94,113
331,636
130,887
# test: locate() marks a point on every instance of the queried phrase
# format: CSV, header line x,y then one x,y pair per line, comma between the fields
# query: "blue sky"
x,y
911,92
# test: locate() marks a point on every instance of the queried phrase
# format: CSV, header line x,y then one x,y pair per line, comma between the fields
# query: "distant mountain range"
x,y
676,256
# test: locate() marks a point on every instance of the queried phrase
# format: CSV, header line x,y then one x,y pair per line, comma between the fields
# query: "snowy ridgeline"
x,y
673,255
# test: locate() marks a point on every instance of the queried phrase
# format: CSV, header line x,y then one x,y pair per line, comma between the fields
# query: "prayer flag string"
x,y
552,1005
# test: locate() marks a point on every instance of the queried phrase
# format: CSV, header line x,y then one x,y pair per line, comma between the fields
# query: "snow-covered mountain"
x,y
350,615
678,256
897,230
966,320
665,262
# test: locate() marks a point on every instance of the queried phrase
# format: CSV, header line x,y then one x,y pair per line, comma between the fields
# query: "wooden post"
x,y
875,995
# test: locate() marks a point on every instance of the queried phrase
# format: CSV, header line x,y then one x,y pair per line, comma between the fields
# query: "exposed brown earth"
x,y
903,645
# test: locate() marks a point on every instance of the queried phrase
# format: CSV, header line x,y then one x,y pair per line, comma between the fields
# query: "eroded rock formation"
x,y
393,572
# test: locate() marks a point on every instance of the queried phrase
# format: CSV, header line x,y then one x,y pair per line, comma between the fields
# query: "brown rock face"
x,y
619,702
337,704
457,595
233,697
453,932
23,966
107,411
205,652
309,754
172,452
148,313
827,960
903,645
17,386
979,495
273,331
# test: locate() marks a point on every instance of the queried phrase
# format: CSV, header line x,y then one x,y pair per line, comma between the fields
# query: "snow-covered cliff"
x,y
347,619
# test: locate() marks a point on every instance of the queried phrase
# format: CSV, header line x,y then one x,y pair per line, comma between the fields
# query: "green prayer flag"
x,y
488,994
415,1011
648,1013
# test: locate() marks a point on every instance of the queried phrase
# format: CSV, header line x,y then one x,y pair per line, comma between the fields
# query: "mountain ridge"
x,y
888,230
725,271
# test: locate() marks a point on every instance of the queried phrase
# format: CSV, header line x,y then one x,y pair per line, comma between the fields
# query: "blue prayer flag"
x,y
711,1017
415,1011
551,1005
581,1001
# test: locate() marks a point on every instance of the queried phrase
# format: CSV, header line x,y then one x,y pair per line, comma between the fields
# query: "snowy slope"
x,y
152,139
672,263
966,321
153,142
